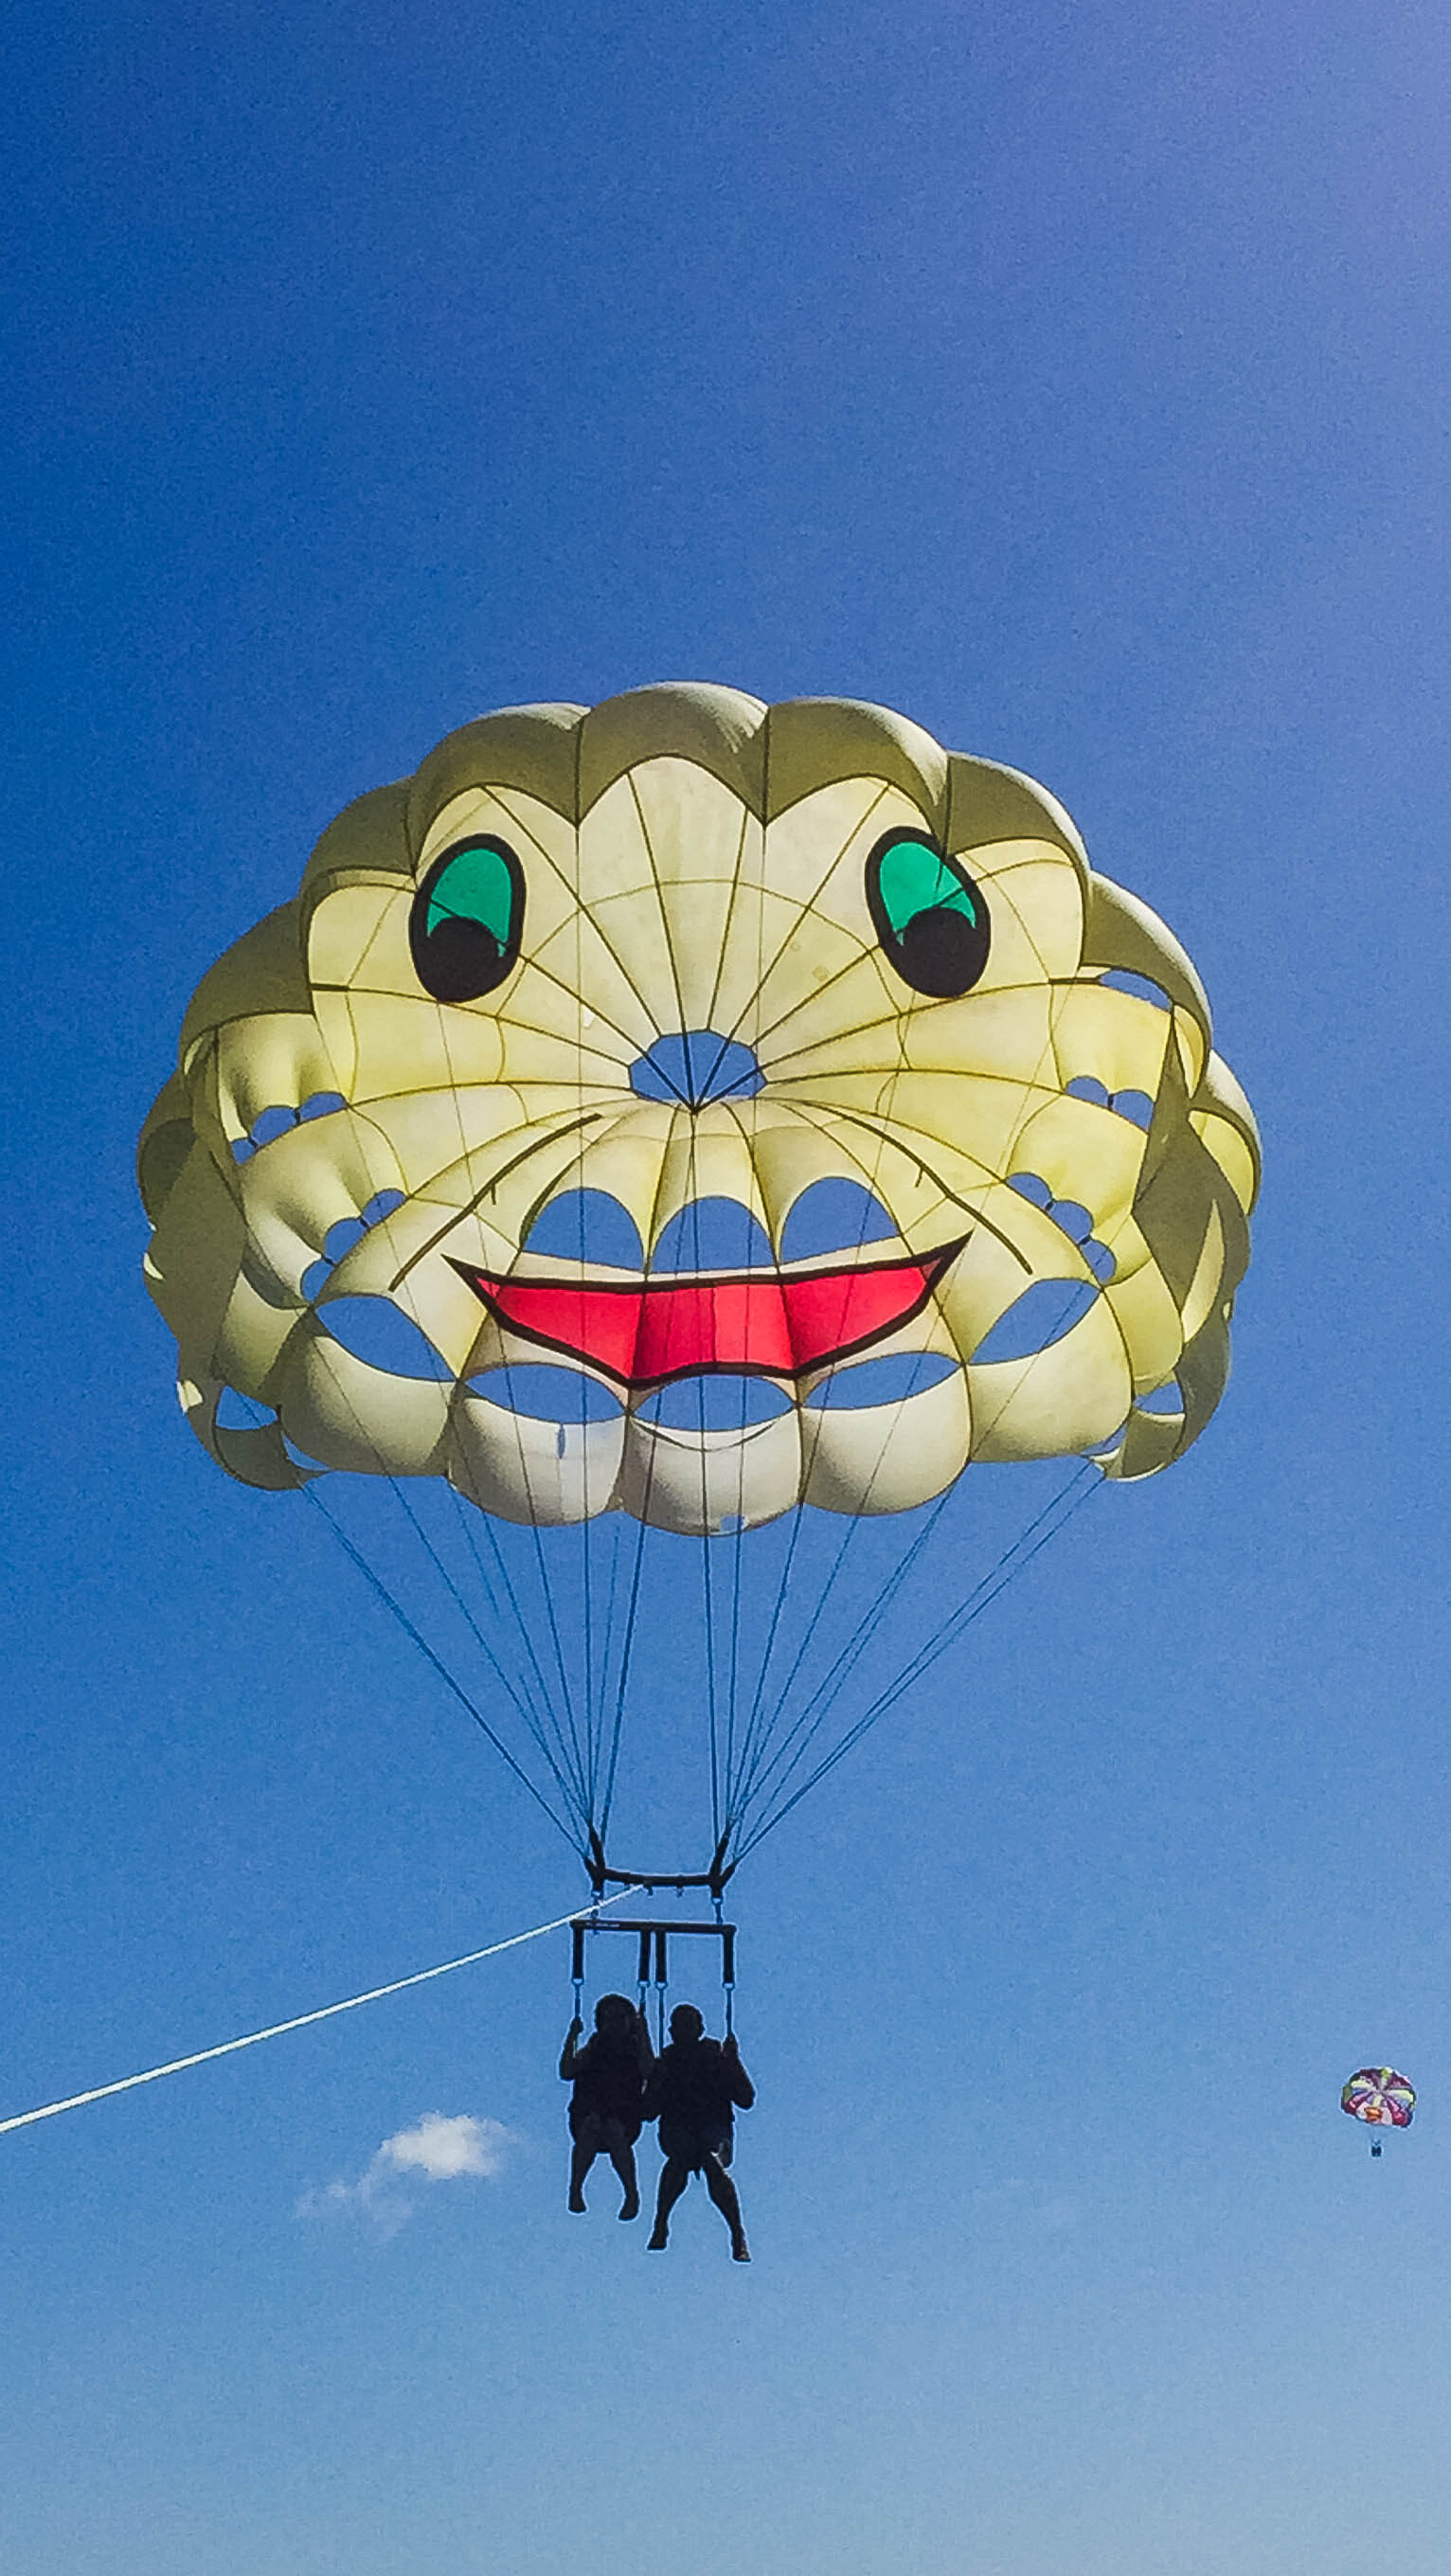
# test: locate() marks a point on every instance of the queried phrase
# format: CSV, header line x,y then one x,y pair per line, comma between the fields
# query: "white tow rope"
x,y
300,2021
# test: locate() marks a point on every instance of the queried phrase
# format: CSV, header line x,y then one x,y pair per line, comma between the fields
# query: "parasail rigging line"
x,y
760,1770
299,2021
829,1689
766,1749
579,1772
468,1516
441,1668
761,1724
627,1647
981,1598
461,1603
570,1786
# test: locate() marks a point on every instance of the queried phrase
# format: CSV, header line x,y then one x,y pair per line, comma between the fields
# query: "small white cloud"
x,y
439,2148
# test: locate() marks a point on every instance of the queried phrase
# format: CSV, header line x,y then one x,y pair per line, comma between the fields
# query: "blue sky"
x,y
1074,380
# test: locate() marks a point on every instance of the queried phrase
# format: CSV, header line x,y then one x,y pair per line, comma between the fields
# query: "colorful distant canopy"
x,y
689,1108
1380,2097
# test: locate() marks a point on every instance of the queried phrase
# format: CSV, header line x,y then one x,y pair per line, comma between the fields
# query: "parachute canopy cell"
x,y
568,1043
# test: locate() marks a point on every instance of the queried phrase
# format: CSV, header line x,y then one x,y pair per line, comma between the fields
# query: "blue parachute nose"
x,y
697,1066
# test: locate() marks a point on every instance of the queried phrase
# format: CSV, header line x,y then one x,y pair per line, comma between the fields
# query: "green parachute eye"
x,y
467,920
928,914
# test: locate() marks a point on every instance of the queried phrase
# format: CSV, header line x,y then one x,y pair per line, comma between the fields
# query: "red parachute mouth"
x,y
744,1323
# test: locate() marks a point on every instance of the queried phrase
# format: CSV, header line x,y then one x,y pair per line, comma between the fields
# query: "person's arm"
x,y
569,2055
742,2090
642,2043
654,2086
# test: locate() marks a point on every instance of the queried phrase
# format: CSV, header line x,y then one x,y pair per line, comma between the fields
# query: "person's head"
x,y
686,2022
614,2013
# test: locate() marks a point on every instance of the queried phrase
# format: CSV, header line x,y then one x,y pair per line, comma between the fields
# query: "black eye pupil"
x,y
467,920
928,914
463,960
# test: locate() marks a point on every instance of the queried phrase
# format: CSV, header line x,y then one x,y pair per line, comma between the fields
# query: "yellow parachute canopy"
x,y
689,1043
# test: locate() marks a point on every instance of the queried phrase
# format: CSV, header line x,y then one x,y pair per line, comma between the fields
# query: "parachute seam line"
x,y
593,1721
552,1136
401,890
867,951
535,965
299,2021
1033,1358
802,908
953,1627
612,1119
626,978
1059,984
862,1028
519,1019
725,935
821,1110
870,1072
572,891
1029,1085
655,881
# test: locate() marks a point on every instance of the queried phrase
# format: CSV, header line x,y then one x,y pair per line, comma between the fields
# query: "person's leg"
x,y
673,2178
587,2143
622,2156
727,2200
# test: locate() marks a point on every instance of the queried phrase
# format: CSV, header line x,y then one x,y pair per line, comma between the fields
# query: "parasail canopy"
x,y
1380,2097
688,1109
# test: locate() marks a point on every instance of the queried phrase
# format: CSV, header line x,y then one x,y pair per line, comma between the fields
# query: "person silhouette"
x,y
609,2075
695,2088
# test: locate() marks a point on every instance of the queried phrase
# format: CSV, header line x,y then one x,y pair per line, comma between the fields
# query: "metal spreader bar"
x,y
654,1939
649,1880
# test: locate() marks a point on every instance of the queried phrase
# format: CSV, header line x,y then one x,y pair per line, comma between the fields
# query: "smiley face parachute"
x,y
719,1118
1381,2098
